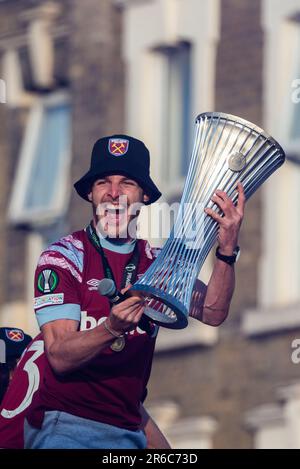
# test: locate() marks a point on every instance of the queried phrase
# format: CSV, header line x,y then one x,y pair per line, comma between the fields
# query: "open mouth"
x,y
115,212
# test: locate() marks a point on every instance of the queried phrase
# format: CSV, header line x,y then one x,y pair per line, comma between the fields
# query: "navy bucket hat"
x,y
119,154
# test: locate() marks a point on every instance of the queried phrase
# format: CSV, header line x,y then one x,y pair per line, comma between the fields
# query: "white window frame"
x,y
171,162
280,267
268,426
292,35
156,24
16,96
277,425
196,333
16,213
148,27
191,432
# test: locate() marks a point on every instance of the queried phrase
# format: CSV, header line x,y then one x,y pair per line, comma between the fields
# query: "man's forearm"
x,y
76,348
214,307
210,304
68,349
219,294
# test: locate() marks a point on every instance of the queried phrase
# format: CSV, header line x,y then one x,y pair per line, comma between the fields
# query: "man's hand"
x,y
230,223
126,315
211,305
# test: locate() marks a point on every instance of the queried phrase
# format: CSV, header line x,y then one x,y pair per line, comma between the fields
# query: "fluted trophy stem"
x,y
226,149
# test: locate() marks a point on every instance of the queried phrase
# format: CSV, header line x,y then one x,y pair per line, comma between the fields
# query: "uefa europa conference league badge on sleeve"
x,y
227,149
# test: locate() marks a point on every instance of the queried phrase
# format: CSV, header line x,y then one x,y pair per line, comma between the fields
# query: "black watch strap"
x,y
230,260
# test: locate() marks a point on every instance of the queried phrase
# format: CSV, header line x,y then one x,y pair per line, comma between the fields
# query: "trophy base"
x,y
174,318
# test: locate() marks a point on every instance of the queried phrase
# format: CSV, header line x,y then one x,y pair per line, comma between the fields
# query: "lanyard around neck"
x,y
130,270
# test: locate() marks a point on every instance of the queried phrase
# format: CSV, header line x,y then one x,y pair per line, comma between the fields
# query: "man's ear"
x,y
90,196
146,198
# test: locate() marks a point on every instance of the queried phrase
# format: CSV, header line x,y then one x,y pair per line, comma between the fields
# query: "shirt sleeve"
x,y
56,289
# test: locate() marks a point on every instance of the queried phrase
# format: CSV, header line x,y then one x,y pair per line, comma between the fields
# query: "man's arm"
x,y
211,304
69,349
155,438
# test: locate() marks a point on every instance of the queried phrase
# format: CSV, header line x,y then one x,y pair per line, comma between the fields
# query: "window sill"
x,y
266,321
196,333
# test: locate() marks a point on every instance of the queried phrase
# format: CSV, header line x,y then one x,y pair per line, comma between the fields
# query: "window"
x,y
177,108
169,49
40,189
291,106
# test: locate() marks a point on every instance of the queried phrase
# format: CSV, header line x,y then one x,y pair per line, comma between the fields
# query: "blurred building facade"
x,y
77,70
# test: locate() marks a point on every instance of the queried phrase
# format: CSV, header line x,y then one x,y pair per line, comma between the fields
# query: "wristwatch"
x,y
229,259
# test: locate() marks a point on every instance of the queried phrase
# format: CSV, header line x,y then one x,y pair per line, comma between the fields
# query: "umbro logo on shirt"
x,y
93,284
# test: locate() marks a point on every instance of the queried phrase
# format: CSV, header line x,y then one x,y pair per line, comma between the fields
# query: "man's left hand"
x,y
230,222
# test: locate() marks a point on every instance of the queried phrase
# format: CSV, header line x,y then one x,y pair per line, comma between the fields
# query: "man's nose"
x,y
115,190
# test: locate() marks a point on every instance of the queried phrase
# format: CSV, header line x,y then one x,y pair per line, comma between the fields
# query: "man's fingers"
x,y
213,214
127,307
241,197
130,301
223,201
121,313
127,319
218,200
124,290
136,315
221,194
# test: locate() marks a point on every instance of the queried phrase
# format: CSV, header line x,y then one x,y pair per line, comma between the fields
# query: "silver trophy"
x,y
227,149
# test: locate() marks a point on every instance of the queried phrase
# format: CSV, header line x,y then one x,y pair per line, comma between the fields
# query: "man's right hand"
x,y
126,315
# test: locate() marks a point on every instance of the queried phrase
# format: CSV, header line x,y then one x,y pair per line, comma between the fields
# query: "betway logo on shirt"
x,y
89,322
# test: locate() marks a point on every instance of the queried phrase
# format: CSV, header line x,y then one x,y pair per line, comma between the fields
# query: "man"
x,y
98,357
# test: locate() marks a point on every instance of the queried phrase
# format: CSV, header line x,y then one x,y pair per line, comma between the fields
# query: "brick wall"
x,y
97,86
239,92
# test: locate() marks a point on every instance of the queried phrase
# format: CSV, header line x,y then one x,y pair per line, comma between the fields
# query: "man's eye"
x,y
130,183
100,182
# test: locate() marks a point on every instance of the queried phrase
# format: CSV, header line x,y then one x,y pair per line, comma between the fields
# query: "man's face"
x,y
116,201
